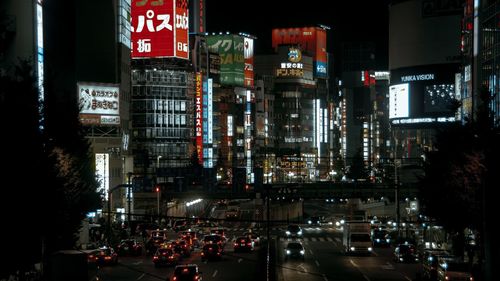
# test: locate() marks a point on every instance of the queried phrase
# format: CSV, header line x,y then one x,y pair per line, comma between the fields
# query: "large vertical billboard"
x,y
310,39
199,117
232,63
160,28
248,55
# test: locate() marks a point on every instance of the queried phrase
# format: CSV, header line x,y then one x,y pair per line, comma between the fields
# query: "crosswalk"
x,y
309,239
306,229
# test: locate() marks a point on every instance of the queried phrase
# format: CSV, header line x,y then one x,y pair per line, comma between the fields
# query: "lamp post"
x,y
129,199
158,202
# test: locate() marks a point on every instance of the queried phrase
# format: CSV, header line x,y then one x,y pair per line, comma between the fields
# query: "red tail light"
x,y
155,258
235,244
249,244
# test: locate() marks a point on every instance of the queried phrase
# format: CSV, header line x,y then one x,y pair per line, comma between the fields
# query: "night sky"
x,y
349,21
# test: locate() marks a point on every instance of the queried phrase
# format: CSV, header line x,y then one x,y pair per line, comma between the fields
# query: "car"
x,y
406,252
165,256
219,231
180,225
430,262
294,250
187,272
254,236
314,221
293,231
213,239
129,247
103,256
243,243
453,270
380,238
211,251
191,236
153,244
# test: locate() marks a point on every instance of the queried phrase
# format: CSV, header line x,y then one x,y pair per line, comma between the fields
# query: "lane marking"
x,y
337,239
317,263
304,270
311,251
329,239
368,279
408,278
240,260
215,273
140,277
353,263
324,277
137,262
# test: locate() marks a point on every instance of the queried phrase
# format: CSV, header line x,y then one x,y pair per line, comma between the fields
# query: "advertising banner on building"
x,y
199,116
248,55
311,40
99,103
160,28
230,49
423,94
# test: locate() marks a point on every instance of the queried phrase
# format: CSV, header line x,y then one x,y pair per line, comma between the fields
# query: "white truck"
x,y
357,238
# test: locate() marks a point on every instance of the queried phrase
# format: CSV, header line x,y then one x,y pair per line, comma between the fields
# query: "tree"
x,y
54,182
460,173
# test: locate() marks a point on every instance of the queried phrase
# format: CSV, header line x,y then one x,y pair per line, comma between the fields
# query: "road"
x,y
324,259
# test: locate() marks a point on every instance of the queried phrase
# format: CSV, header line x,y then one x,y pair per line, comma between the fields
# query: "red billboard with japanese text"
x,y
159,28
312,40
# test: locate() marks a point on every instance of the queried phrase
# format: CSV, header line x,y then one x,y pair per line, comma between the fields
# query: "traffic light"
x,y
157,188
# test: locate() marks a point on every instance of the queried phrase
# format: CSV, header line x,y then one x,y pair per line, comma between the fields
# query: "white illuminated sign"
x,y
97,99
399,101
102,172
229,125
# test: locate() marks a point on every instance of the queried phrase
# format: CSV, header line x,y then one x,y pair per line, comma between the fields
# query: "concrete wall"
x,y
291,212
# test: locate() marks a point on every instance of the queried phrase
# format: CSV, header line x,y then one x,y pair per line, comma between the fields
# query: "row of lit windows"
x,y
162,133
156,91
153,120
159,105
167,76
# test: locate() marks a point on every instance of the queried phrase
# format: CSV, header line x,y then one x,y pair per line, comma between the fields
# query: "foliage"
x,y
461,168
52,183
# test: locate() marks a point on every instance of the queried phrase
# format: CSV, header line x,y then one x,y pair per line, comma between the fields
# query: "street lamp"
x,y
158,202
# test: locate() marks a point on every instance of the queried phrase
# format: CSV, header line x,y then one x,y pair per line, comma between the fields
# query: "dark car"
x,y
153,244
405,253
314,221
430,262
165,256
129,247
213,239
254,236
293,231
453,270
294,250
243,243
211,251
381,238
186,272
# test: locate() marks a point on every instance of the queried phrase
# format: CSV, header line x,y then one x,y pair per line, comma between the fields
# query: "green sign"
x,y
230,48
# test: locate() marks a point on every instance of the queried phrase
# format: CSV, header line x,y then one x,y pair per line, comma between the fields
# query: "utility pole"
x,y
397,163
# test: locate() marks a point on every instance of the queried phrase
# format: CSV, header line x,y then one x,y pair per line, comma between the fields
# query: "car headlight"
x,y
299,233
302,252
353,249
287,252
287,232
309,222
378,240
388,240
370,249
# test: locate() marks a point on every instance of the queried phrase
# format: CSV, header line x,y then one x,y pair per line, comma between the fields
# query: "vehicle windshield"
x,y
294,246
360,238
293,228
